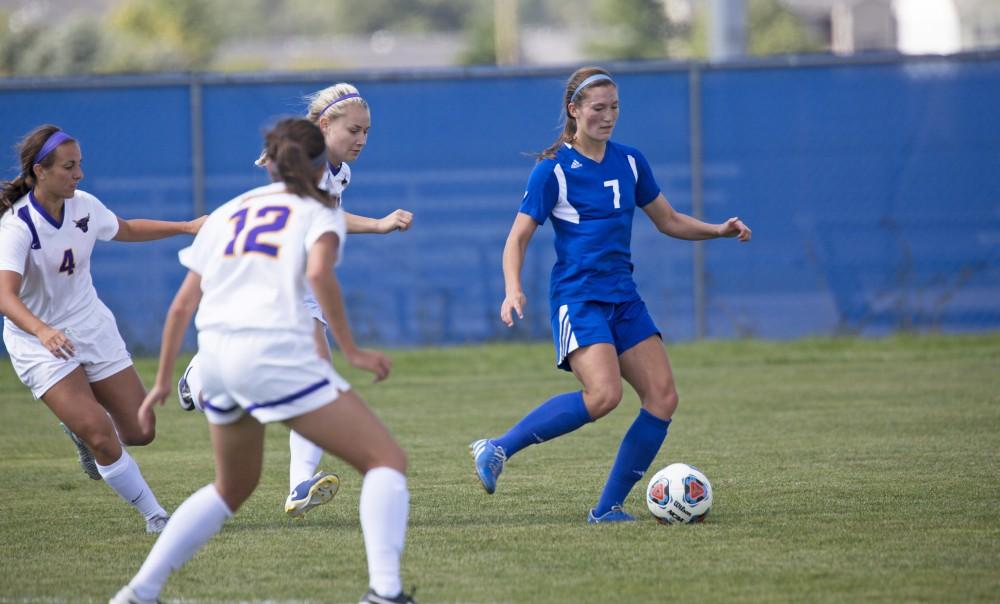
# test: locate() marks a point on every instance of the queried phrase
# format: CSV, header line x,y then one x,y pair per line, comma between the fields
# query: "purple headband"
x,y
353,95
58,137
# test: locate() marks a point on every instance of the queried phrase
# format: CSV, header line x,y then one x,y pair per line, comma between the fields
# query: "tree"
x,y
164,34
630,29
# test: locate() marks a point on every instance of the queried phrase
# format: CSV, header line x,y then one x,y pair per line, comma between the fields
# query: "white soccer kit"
x,y
53,258
255,347
333,183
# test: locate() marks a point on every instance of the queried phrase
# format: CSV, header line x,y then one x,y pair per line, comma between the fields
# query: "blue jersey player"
x,y
589,188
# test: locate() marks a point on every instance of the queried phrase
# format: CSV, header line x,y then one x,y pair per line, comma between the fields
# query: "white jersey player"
x,y
344,117
62,340
248,270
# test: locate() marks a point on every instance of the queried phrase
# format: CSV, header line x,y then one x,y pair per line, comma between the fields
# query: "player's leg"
x,y
646,367
75,404
582,340
239,455
307,487
348,429
120,394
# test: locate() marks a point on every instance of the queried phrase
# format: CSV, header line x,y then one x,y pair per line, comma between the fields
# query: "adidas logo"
x,y
575,164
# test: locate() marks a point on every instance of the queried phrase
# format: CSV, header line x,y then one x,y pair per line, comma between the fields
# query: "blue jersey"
x,y
591,205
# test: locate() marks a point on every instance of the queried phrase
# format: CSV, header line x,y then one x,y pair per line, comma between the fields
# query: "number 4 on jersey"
x,y
68,264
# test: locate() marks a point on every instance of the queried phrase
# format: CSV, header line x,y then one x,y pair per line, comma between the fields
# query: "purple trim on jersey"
x,y
291,397
57,138
45,214
25,215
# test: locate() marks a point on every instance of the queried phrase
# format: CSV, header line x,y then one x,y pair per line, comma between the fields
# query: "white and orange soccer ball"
x,y
679,494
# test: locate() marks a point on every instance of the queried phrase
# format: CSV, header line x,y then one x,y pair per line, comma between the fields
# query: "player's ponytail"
x,y
27,148
574,94
296,154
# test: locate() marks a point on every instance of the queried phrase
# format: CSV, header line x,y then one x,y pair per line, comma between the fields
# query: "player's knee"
x,y
138,437
235,494
603,399
391,457
103,443
663,404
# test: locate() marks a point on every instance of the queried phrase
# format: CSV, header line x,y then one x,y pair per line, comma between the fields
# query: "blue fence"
x,y
873,189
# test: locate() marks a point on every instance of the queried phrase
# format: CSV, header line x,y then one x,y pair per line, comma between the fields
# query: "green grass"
x,y
844,470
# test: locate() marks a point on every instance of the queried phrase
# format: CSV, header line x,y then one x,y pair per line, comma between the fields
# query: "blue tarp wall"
x,y
873,188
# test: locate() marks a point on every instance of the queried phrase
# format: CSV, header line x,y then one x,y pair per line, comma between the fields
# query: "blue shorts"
x,y
579,324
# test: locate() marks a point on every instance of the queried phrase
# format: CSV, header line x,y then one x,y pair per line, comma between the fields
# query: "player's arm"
x,y
671,222
325,286
179,315
14,309
399,220
141,229
514,251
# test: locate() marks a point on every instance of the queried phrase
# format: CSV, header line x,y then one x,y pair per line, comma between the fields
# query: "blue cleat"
x,y
311,493
489,462
85,457
615,514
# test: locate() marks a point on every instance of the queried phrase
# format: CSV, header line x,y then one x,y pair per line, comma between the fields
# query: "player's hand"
x,y
193,226
510,305
373,361
56,342
734,227
157,396
400,220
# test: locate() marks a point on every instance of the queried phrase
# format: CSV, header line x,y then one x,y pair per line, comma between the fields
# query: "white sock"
x,y
305,457
196,521
385,506
125,478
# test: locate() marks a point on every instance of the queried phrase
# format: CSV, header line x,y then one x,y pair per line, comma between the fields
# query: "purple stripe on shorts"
x,y
291,397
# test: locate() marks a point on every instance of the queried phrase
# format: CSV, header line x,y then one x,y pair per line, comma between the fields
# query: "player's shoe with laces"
x,y
371,597
156,524
615,514
126,596
184,396
87,461
489,462
311,493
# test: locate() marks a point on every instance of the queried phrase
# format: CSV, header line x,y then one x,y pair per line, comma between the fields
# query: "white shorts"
x,y
100,350
272,376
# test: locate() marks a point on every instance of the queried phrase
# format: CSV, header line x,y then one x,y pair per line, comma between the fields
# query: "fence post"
x,y
197,147
697,197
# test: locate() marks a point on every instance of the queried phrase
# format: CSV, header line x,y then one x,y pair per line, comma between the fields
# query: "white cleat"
x,y
126,596
311,493
156,524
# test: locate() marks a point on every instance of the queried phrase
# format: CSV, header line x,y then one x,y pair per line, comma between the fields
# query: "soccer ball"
x,y
679,494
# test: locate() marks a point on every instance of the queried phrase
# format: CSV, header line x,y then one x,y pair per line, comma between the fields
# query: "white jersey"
x,y
53,256
333,183
251,255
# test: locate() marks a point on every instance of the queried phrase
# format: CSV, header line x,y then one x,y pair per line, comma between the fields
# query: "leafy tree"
x,y
630,29
159,34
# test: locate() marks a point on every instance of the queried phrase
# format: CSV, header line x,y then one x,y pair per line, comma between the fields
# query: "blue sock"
x,y
560,414
639,447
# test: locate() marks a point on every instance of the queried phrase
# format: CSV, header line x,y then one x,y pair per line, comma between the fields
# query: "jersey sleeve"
x,y
196,256
103,220
326,220
15,243
542,192
646,188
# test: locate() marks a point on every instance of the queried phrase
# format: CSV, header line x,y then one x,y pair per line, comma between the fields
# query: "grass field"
x,y
844,471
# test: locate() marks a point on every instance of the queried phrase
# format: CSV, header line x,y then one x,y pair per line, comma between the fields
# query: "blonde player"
x,y
345,119
249,269
62,340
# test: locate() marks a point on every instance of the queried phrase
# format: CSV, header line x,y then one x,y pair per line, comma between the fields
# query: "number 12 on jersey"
x,y
268,219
